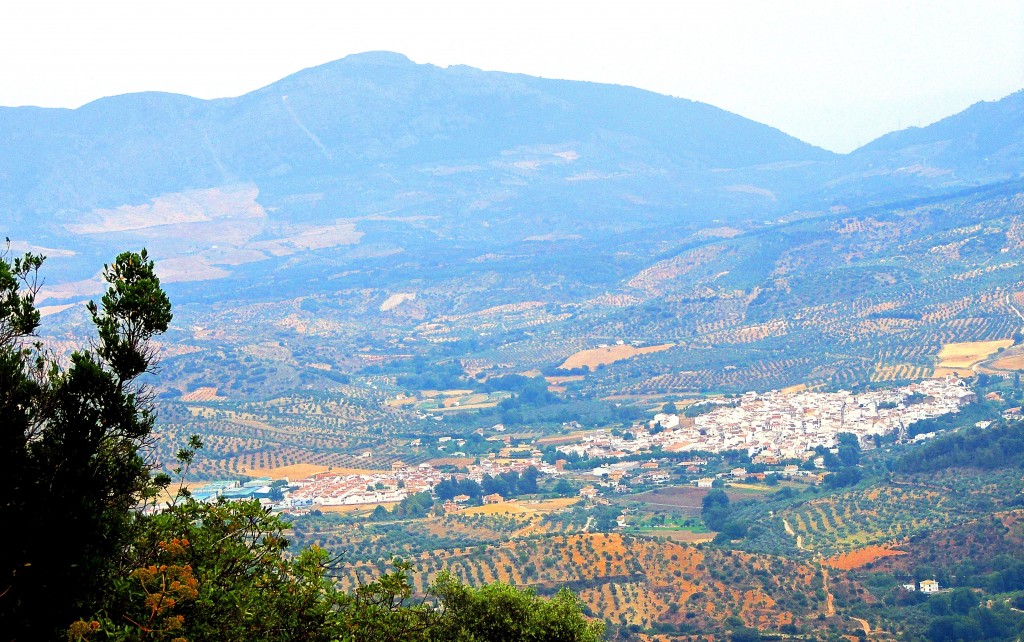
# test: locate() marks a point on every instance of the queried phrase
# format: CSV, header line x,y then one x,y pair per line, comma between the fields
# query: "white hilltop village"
x,y
776,425
771,427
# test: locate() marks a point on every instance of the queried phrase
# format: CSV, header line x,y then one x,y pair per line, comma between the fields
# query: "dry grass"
x,y
430,394
504,508
471,400
203,394
687,537
967,354
558,440
47,310
719,232
198,206
450,406
603,356
1016,362
188,269
451,461
300,471
306,237
522,508
560,380
396,300
87,287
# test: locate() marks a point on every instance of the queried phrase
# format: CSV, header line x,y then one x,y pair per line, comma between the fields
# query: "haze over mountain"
x,y
362,152
982,143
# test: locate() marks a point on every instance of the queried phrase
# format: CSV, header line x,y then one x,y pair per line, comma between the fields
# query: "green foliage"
x,y
981,410
212,572
428,375
563,488
133,309
511,484
978,623
413,506
18,288
842,478
715,509
849,449
503,612
70,445
995,447
449,488
216,572
962,600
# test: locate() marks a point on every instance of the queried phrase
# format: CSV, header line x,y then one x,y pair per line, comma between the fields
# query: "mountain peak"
x,y
376,58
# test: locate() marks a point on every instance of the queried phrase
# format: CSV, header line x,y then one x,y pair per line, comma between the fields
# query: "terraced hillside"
x,y
649,584
898,509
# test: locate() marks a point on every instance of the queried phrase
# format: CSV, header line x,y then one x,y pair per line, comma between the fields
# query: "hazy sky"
x,y
836,74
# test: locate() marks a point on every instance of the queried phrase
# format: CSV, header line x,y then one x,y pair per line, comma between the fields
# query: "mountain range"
x,y
373,154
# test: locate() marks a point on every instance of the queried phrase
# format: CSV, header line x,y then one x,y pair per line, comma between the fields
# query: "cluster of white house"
x,y
776,425
333,489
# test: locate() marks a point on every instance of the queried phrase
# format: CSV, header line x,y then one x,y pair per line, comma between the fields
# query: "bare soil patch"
x,y
208,393
396,300
1015,362
969,353
300,471
522,507
861,557
451,461
610,354
230,202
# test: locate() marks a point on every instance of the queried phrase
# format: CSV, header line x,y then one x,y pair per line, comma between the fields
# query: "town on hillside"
x,y
770,428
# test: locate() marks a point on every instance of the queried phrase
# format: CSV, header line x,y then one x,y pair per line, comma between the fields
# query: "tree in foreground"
x,y
215,572
73,474
70,441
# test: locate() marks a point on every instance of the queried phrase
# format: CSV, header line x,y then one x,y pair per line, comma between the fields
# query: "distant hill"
x,y
368,130
984,142
374,155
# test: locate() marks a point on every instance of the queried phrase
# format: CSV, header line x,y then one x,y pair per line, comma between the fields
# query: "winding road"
x,y
863,624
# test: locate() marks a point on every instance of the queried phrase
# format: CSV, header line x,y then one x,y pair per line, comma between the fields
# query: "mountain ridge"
x,y
488,157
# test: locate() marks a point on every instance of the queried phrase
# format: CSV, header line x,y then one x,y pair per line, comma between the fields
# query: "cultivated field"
x,y
603,356
206,393
1013,362
635,581
299,471
969,353
522,507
